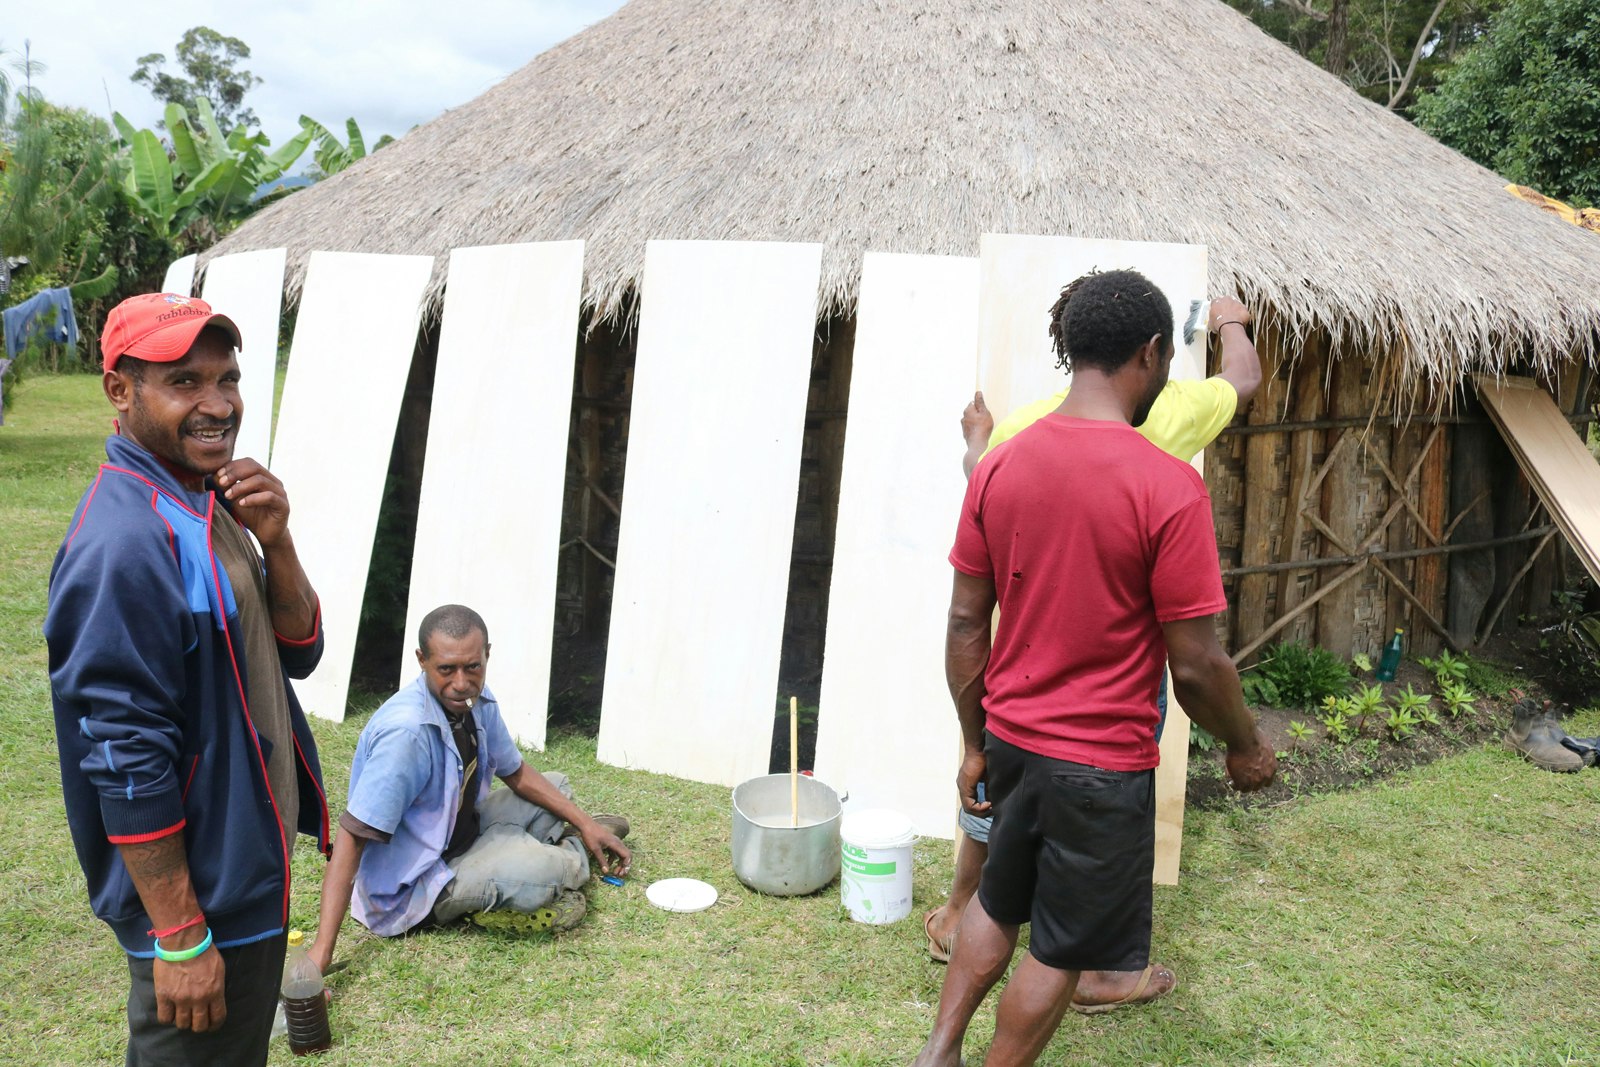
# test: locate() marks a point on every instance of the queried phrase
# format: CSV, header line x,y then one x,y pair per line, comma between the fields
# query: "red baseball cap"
x,y
159,327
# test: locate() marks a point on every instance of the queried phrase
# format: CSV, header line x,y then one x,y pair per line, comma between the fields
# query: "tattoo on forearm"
x,y
156,862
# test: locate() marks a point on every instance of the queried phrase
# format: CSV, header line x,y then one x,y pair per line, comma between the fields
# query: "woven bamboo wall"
x,y
1321,468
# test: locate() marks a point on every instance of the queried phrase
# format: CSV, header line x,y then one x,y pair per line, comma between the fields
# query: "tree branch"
x,y
1416,55
1307,10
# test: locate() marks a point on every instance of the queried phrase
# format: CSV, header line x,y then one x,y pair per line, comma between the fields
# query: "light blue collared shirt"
x,y
406,781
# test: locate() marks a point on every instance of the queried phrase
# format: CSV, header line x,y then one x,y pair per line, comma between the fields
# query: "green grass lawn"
x,y
1443,917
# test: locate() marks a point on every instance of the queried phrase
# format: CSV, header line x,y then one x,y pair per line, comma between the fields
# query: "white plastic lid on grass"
x,y
681,894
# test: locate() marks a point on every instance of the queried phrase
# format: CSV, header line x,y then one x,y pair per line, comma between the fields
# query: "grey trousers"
x,y
519,862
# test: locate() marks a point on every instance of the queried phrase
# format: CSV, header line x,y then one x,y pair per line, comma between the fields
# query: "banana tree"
x,y
331,154
215,175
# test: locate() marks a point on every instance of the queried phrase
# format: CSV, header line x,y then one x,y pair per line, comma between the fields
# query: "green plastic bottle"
x,y
1391,657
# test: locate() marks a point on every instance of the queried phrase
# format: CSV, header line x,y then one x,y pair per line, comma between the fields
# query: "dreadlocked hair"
x,y
1102,318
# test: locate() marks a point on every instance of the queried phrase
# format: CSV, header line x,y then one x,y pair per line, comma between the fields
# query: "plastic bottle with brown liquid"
x,y
304,1005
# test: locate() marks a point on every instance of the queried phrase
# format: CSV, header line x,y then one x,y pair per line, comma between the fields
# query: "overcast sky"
x,y
390,64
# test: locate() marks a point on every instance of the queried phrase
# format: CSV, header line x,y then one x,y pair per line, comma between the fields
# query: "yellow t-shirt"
x,y
1185,418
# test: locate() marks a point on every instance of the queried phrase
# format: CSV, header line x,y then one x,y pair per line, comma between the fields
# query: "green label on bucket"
x,y
860,866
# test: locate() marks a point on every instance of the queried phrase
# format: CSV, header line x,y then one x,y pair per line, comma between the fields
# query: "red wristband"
x,y
196,921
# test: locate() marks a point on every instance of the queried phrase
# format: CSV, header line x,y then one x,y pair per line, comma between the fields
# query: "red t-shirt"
x,y
1094,537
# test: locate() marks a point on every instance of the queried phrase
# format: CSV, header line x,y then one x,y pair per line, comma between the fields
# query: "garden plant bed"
x,y
1317,763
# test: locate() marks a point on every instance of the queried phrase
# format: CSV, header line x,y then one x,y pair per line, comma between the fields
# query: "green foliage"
x,y
1298,730
1295,675
1418,705
1492,679
1201,738
14,67
1335,718
1457,698
1361,662
1574,639
331,154
209,60
1400,723
1525,100
1382,39
1446,668
1368,701
211,188
57,183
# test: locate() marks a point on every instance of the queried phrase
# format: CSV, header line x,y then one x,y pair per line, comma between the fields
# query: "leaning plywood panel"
x,y
719,399
886,729
347,372
180,276
1563,472
248,288
488,533
1020,278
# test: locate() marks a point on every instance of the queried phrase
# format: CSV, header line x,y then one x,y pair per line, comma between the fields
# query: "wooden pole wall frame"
x,y
248,288
1020,278
886,728
353,340
708,507
488,524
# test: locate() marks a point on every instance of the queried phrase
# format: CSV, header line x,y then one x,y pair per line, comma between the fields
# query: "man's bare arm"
x,y
189,994
1240,365
337,883
966,657
1207,685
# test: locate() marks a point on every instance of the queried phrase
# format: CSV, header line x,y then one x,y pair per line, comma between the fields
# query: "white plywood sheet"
x,y
248,288
1562,470
719,398
348,363
180,276
1020,278
488,524
886,731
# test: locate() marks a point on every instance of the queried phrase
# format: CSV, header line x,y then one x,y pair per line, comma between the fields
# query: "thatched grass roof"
x,y
917,125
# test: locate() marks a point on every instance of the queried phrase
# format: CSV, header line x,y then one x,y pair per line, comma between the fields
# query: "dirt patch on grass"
x,y
1314,762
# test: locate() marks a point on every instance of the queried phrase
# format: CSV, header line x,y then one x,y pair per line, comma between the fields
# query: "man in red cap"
x,y
187,766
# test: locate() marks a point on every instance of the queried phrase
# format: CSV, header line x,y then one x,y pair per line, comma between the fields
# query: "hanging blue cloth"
x,y
33,317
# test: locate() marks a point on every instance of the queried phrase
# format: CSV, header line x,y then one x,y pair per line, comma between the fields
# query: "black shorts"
x,y
1072,851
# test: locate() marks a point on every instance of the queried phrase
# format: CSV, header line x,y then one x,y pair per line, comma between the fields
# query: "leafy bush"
x,y
1295,675
1525,100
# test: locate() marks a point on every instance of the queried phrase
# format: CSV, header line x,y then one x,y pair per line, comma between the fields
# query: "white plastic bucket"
x,y
875,864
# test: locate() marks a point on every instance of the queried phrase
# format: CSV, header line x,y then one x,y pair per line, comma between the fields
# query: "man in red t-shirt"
x,y
1099,550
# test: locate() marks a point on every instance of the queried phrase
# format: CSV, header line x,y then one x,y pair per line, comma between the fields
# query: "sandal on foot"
x,y
560,915
1143,992
939,950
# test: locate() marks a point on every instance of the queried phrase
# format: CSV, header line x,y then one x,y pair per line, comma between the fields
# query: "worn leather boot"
x,y
1535,733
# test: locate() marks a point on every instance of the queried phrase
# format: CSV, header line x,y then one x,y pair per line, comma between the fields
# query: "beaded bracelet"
x,y
196,921
184,954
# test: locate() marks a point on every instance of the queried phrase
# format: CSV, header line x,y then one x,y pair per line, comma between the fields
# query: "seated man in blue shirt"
x,y
423,840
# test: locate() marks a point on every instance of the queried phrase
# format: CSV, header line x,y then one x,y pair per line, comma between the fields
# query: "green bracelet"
x,y
184,954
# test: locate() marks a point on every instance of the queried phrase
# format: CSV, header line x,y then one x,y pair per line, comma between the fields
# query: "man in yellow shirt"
x,y
1186,417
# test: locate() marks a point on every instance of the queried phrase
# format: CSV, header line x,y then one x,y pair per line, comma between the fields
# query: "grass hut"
x,y
1385,267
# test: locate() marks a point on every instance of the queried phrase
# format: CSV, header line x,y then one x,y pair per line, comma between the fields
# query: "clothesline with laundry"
x,y
48,315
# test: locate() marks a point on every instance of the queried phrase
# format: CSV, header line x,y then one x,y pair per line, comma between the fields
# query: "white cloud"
x,y
391,65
